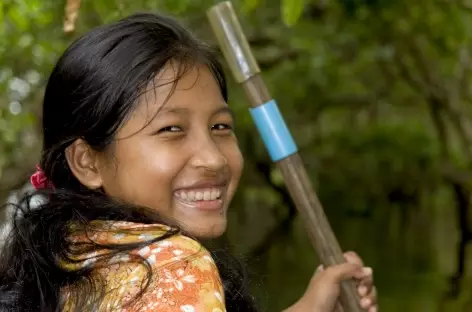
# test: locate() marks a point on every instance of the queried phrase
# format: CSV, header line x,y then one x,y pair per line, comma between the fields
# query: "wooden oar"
x,y
279,142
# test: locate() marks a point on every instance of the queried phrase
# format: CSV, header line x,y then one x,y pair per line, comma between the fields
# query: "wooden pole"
x,y
279,142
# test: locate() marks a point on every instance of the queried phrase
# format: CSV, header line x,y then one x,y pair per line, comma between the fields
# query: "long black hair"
x,y
90,93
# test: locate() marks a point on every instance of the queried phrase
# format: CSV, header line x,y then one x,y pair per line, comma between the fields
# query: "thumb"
x,y
338,273
323,292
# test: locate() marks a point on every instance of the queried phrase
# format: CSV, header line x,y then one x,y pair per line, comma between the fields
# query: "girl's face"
x,y
185,163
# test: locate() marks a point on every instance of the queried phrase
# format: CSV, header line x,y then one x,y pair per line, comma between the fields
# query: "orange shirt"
x,y
185,277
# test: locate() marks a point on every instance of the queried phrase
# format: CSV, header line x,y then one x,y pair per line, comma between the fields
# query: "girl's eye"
x,y
220,127
170,129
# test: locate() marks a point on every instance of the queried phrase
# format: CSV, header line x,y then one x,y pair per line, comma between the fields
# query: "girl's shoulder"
x,y
184,275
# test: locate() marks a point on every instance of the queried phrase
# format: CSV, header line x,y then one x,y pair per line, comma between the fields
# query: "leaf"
x,y
276,177
250,5
291,11
19,18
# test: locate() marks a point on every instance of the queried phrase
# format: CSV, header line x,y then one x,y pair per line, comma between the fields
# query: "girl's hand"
x,y
323,292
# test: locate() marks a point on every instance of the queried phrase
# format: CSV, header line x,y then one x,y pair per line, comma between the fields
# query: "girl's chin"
x,y
211,231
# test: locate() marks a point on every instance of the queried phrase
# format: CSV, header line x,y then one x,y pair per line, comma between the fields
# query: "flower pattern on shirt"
x,y
185,277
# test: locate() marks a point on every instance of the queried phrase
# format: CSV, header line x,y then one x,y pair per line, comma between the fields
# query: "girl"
x,y
139,159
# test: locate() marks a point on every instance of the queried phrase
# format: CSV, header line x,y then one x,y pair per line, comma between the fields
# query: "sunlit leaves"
x,y
18,18
291,11
250,5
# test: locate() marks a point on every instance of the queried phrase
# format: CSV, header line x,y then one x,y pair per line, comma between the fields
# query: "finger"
x,y
370,300
340,272
318,271
366,283
366,303
352,257
373,295
373,309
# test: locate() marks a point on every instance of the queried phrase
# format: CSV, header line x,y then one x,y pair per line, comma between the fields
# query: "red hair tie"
x,y
39,180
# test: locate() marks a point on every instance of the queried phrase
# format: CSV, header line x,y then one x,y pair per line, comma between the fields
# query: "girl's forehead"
x,y
172,90
196,90
182,77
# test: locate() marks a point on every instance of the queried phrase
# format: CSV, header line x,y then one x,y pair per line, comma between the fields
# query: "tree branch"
x,y
462,197
425,68
405,72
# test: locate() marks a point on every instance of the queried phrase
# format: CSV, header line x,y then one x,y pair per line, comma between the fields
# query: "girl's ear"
x,y
84,164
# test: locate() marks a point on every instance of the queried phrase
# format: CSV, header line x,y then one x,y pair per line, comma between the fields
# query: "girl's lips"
x,y
204,184
205,205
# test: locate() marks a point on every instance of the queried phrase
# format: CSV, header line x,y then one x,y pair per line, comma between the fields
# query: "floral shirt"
x,y
185,277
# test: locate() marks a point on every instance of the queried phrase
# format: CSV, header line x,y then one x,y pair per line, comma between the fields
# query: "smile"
x,y
204,199
199,195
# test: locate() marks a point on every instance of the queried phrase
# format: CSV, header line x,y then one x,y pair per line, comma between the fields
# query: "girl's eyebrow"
x,y
174,110
185,110
224,110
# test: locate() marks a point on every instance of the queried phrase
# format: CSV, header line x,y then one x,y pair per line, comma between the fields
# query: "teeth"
x,y
206,194
190,195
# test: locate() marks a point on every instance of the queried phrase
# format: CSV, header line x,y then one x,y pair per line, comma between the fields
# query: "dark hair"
x,y
90,93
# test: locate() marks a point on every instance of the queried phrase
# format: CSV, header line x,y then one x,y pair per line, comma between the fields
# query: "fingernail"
x,y
365,302
367,270
362,290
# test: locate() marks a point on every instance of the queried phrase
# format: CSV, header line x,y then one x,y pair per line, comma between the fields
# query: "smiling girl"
x,y
140,161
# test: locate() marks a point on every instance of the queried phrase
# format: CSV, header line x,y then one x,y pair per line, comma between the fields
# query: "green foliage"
x,y
249,5
291,11
374,164
357,82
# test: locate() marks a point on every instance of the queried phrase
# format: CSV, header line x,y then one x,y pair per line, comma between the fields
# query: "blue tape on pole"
x,y
274,131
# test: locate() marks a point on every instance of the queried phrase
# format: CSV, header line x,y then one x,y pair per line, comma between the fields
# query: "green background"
x,y
377,94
